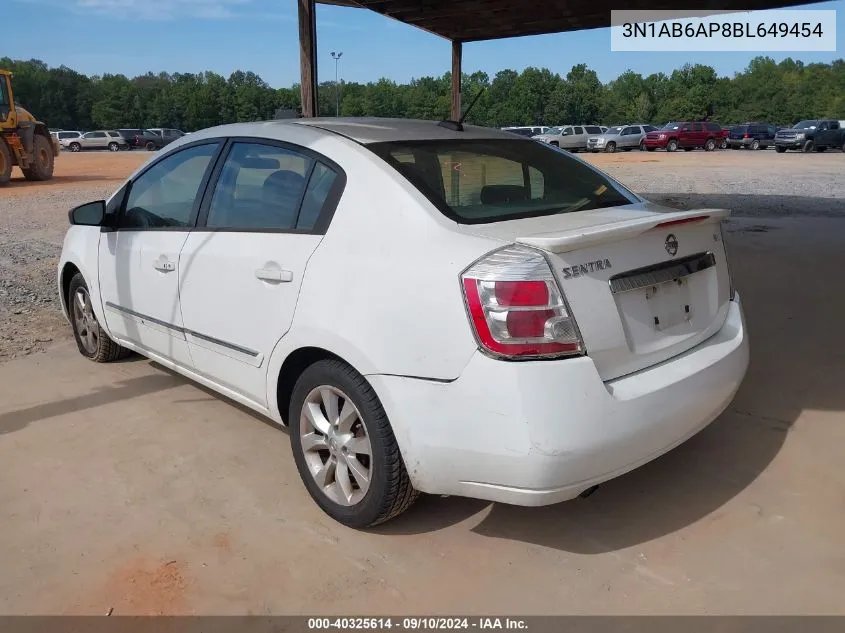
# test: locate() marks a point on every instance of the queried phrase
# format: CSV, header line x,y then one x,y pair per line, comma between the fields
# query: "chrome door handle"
x,y
164,266
274,274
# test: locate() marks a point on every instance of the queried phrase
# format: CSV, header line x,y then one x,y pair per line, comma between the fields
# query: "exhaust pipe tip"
x,y
588,492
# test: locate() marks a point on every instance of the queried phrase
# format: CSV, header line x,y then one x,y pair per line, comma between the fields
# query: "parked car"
x,y
527,130
686,135
567,331
168,134
621,137
98,139
811,135
752,136
142,139
569,137
64,137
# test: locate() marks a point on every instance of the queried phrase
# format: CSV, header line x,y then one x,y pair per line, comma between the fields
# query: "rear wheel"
x,y
344,448
5,163
42,160
672,146
710,145
611,147
755,144
114,147
91,339
75,147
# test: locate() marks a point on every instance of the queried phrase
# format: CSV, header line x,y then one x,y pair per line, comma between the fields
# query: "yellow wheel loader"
x,y
24,141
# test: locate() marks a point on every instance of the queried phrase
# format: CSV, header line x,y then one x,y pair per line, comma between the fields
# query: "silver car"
x,y
620,137
570,137
99,139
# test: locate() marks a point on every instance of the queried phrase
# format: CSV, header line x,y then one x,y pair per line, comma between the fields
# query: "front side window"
x,y
554,131
260,187
475,181
566,132
164,196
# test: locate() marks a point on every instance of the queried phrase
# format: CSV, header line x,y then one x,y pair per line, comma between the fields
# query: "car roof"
x,y
377,130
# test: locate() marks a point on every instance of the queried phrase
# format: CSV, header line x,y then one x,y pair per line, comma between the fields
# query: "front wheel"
x,y
5,162
672,146
780,149
710,145
755,144
723,144
611,147
150,146
344,447
92,341
808,147
642,146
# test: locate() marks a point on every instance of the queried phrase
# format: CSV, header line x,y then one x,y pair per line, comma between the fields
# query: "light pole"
x,y
336,57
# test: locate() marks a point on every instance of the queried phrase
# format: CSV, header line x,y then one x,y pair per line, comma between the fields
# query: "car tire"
x,y
709,145
554,144
672,146
755,144
323,388
723,144
75,147
92,341
642,146
43,163
114,147
150,146
820,148
611,148
843,147
5,162
780,149
808,147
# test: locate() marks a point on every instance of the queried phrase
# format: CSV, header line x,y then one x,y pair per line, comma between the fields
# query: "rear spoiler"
x,y
565,241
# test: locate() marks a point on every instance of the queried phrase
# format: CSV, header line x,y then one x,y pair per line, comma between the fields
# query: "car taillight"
x,y
516,307
746,135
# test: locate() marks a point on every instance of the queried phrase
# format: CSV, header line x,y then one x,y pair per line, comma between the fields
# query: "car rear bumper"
x,y
536,433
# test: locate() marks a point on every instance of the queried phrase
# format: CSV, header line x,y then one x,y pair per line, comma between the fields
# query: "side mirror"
x,y
91,214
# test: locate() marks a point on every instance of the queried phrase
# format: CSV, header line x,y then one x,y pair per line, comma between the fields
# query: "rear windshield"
x,y
483,181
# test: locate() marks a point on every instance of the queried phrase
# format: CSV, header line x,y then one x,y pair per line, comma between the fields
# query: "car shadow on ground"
x,y
797,363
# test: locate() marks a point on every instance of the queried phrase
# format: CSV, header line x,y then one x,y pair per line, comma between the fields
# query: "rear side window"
x,y
713,127
483,181
259,188
579,130
649,128
593,129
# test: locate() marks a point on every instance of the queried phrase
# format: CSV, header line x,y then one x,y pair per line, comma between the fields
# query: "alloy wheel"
x,y
336,445
86,322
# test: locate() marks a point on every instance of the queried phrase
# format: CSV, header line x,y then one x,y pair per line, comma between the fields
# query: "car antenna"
x,y
458,126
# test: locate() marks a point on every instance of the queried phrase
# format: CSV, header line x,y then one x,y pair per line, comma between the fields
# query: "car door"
x,y
93,140
630,136
832,134
240,272
138,259
696,136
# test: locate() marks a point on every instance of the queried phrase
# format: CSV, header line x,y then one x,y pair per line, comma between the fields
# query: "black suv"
x,y
142,139
752,135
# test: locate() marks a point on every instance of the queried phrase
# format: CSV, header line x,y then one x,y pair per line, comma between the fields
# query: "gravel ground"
x,y
33,216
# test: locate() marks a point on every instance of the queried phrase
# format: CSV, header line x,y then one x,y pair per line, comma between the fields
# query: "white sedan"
x,y
450,311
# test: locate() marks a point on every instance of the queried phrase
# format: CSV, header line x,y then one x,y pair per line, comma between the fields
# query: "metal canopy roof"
x,y
474,20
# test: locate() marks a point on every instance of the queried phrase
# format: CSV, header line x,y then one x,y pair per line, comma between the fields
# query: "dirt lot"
x,y
126,487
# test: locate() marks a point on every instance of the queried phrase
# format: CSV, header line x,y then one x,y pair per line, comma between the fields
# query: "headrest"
x,y
503,194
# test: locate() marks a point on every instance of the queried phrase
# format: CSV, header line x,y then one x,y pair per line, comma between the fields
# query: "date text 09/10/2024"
x,y
416,624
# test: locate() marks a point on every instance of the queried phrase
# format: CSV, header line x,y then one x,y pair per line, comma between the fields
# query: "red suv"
x,y
685,134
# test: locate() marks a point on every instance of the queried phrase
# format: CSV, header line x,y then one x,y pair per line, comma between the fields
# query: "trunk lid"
x,y
644,283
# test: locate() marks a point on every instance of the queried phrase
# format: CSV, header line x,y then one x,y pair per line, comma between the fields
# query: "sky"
x,y
135,36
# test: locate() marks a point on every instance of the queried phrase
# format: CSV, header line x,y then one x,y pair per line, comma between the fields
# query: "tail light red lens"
x,y
746,135
517,309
